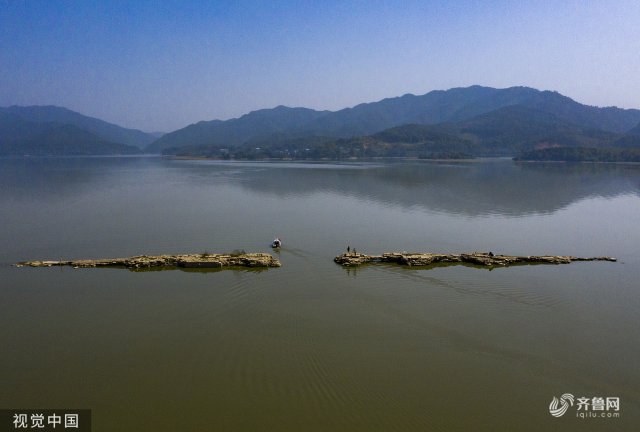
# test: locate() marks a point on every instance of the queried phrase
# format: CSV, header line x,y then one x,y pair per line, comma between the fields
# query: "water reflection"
x,y
49,178
471,189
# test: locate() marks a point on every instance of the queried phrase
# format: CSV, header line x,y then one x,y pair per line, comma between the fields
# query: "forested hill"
x,y
20,137
507,131
256,124
106,131
436,107
635,130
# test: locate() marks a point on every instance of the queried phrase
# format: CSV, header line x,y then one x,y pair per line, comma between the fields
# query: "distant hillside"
x,y
435,107
232,132
627,141
610,119
459,104
509,130
505,131
106,131
450,106
635,130
20,137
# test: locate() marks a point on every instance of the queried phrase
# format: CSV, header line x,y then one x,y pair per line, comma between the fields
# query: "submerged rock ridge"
x,y
204,260
485,259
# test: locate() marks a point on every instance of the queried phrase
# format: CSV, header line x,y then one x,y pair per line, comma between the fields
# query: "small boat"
x,y
276,243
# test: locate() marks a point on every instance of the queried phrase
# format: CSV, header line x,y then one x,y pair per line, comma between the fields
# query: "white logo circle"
x,y
558,408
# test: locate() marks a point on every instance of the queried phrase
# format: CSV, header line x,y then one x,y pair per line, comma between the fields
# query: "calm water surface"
x,y
313,346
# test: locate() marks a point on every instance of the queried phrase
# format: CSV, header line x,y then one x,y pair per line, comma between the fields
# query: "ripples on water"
x,y
313,346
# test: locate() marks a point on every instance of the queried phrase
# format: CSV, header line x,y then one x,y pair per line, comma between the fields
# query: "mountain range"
x,y
51,130
477,121
499,113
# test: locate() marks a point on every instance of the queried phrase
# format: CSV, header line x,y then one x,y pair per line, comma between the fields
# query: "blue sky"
x,y
160,65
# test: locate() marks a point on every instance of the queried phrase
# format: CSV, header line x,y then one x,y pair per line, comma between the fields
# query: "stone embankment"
x,y
187,261
485,259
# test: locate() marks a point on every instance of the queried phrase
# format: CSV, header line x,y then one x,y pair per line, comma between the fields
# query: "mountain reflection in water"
x,y
494,187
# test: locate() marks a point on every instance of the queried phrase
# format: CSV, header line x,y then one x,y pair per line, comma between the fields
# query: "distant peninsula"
x,y
581,154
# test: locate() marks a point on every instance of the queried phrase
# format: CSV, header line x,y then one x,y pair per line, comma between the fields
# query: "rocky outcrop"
x,y
187,261
485,259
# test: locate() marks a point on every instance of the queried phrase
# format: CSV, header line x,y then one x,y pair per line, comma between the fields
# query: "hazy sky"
x,y
160,65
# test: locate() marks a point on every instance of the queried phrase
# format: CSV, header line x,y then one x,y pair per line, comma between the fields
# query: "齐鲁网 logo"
x,y
586,407
558,408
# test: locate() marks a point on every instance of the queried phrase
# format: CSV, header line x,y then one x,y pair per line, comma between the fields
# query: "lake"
x,y
311,345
